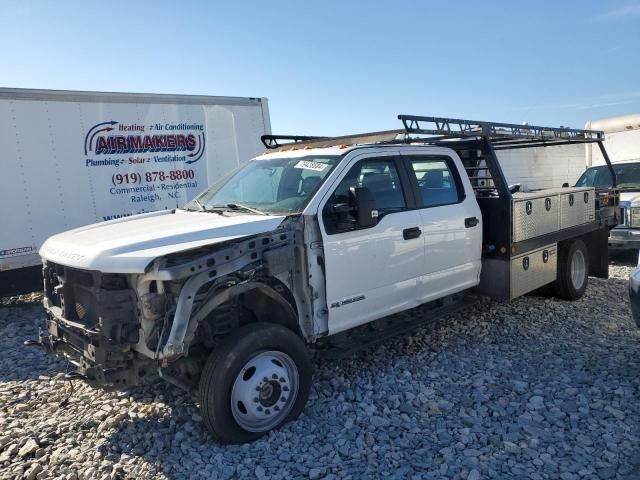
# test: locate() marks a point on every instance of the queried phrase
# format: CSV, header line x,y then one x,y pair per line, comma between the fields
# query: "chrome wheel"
x,y
578,269
264,391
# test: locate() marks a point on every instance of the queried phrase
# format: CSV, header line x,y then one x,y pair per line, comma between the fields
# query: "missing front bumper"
x,y
98,360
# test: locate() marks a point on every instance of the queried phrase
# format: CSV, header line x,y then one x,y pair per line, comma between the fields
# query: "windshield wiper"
x,y
234,207
200,206
239,206
202,209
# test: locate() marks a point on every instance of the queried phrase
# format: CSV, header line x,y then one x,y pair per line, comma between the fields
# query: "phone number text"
x,y
150,177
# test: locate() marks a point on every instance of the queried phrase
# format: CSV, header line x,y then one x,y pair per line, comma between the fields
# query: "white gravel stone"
x,y
473,475
28,448
32,472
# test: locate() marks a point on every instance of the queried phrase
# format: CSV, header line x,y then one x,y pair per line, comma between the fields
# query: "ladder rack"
x,y
386,136
460,135
423,129
501,135
273,141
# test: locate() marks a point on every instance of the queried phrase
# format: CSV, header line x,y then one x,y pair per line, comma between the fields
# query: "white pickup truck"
x,y
294,250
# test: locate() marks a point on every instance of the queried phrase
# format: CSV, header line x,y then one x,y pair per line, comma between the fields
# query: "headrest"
x,y
433,179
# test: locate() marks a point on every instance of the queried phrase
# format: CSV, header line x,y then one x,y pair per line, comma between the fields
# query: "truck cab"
x,y
626,235
296,249
411,201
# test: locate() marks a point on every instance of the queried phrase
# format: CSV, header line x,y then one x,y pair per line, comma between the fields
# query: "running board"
x,y
346,344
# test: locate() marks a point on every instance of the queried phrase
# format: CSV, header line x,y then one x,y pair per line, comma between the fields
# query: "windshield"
x,y
627,175
278,186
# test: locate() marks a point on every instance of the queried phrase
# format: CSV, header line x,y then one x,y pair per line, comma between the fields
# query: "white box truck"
x,y
73,158
623,148
623,139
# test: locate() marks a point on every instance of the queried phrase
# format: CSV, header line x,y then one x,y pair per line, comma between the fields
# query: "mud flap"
x,y
598,244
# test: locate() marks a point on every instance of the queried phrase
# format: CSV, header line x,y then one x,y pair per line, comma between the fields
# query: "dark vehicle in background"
x,y
626,235
622,135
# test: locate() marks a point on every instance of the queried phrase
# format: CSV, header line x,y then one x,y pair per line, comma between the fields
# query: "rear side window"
x,y
438,182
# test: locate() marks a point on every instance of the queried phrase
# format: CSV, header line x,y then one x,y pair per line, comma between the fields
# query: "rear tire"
x,y
573,270
256,380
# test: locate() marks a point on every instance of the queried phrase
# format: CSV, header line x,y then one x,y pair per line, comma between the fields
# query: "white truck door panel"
x,y
451,226
371,272
452,251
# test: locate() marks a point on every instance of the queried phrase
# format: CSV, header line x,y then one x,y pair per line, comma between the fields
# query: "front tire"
x,y
257,380
573,270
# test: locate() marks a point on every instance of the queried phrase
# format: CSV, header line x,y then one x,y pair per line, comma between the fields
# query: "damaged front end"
x,y
118,329
93,322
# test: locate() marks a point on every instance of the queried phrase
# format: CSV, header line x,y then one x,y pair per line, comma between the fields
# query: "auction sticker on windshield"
x,y
309,165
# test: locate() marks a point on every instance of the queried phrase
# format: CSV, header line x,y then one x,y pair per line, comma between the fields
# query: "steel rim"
x,y
578,269
264,391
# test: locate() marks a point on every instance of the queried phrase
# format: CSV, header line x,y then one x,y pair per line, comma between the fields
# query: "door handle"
x,y
470,222
409,233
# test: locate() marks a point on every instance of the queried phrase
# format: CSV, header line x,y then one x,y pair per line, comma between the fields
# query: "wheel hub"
x,y
578,269
270,393
264,391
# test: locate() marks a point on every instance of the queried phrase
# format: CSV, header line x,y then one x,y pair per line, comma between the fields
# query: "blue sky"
x,y
337,67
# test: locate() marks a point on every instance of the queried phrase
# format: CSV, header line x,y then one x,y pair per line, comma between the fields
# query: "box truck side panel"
x,y
154,156
18,239
72,160
622,139
621,147
234,137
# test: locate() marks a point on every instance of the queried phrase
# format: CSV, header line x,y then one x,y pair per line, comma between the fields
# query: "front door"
x,y
371,272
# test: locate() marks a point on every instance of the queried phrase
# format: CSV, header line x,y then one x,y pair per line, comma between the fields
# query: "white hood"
x,y
629,198
128,245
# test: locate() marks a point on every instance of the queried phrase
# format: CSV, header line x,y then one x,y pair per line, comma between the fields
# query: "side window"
x,y
380,177
437,182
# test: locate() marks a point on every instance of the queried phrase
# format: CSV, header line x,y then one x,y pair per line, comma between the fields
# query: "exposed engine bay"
x,y
118,329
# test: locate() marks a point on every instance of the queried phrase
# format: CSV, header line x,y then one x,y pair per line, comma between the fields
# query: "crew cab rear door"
x,y
371,272
450,221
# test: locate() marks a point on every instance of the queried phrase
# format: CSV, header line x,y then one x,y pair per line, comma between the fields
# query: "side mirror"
x,y
365,206
565,185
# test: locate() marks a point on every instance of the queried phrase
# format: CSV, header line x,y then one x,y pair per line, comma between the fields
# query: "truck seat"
x,y
435,192
381,187
309,184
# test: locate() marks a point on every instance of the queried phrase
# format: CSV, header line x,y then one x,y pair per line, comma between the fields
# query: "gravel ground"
x,y
538,388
